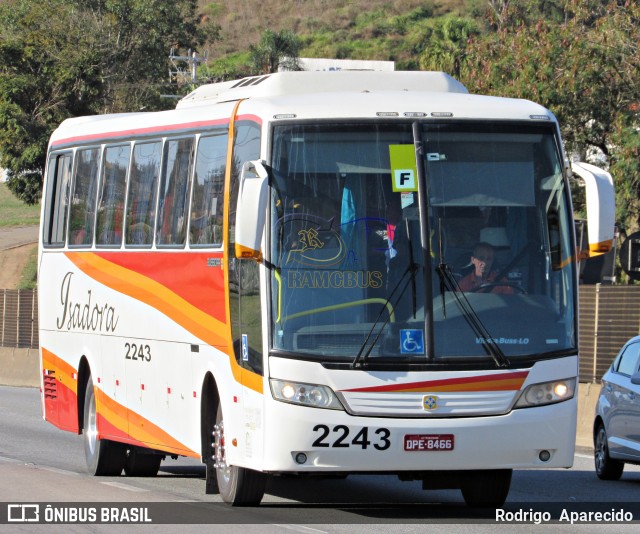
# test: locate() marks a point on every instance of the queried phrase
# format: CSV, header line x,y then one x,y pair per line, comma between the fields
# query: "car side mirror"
x,y
635,379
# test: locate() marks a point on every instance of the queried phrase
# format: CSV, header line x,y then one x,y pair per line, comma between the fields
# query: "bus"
x,y
268,279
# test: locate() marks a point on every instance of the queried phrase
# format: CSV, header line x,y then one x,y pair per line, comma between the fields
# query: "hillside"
x,y
355,29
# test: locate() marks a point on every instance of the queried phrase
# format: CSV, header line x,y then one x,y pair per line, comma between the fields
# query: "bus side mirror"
x,y
251,210
601,208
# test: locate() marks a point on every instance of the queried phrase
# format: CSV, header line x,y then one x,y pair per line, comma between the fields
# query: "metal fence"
x,y
609,316
19,318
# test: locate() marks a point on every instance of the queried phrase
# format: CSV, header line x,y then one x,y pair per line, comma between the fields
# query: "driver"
x,y
482,274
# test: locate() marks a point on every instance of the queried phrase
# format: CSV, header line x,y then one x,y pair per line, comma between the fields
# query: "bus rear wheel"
x,y
486,489
139,464
238,486
103,457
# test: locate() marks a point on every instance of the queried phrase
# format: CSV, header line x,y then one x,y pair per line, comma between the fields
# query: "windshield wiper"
x,y
412,269
361,358
449,282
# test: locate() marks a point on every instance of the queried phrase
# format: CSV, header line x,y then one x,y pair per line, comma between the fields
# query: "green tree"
x,y
64,58
275,50
585,69
446,46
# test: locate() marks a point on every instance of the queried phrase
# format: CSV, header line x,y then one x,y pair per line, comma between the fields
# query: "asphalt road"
x,y
18,236
39,463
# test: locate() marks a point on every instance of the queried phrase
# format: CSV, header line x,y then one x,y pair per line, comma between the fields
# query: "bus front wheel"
x,y
104,457
238,486
486,489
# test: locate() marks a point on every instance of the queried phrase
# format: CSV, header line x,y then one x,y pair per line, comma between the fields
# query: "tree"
x,y
585,69
64,58
275,50
447,44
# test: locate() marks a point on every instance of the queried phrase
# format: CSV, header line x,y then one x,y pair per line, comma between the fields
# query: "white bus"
x,y
270,278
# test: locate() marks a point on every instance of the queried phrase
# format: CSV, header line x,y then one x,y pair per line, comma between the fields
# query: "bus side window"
x,y
111,207
141,198
83,198
174,193
57,199
207,203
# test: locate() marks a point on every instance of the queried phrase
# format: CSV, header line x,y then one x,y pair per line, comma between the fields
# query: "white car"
x,y
616,429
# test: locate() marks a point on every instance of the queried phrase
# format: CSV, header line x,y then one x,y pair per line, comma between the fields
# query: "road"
x,y
18,236
39,463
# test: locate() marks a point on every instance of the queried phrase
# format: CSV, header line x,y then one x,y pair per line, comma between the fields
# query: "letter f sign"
x,y
404,180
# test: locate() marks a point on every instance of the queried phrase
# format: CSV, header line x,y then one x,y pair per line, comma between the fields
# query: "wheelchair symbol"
x,y
245,348
411,342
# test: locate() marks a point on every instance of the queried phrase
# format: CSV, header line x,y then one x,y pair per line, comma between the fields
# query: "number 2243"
x,y
341,437
137,352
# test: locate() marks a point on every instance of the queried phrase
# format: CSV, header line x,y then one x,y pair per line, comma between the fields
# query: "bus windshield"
x,y
362,268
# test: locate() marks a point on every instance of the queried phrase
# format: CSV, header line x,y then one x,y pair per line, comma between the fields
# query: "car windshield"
x,y
354,273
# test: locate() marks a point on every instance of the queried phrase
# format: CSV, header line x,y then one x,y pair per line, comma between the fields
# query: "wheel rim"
x,y
91,427
224,471
601,449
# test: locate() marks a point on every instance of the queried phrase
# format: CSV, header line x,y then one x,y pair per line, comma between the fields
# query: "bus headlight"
x,y
547,393
312,395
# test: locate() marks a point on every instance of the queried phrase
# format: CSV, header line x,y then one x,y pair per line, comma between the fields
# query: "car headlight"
x,y
547,393
311,395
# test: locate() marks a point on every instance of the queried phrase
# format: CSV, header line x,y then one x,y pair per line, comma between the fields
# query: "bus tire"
x,y
486,489
139,464
238,486
103,457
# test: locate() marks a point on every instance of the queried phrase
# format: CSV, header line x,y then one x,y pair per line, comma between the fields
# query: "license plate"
x,y
428,442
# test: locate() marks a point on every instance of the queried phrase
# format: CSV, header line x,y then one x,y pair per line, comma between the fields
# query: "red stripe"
x,y
431,384
187,274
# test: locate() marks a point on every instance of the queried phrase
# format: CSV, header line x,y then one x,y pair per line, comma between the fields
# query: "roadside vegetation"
x,y
29,278
64,58
14,212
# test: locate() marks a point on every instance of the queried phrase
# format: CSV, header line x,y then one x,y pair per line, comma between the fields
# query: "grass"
x,y
13,212
347,29
29,279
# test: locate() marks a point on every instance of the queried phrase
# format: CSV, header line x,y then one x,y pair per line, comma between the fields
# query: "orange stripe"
x,y
64,372
152,293
595,249
494,382
137,427
146,290
499,385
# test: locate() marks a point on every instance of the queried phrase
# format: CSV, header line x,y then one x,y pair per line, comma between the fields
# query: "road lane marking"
x,y
56,470
120,485
300,528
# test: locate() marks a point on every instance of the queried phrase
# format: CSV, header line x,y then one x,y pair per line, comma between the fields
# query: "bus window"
x,y
111,207
208,187
57,200
141,198
83,198
174,193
